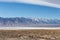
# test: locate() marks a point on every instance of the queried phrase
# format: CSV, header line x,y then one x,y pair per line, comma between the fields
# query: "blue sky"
x,y
13,9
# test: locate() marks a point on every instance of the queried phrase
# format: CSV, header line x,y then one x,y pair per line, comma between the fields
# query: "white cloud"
x,y
37,2
53,1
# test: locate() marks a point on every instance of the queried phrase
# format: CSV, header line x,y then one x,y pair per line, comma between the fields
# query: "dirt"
x,y
30,34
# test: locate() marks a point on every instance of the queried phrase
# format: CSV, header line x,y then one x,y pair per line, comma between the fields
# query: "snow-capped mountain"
x,y
28,21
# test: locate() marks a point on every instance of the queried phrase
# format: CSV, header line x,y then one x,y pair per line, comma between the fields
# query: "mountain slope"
x,y
28,22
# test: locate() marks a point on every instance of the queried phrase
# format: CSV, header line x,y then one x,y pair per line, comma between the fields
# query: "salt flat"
x,y
27,28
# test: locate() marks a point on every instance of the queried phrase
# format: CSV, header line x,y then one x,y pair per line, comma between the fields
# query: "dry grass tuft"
x,y
30,34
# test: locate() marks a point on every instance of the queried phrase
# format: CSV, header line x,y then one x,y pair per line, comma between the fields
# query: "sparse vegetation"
x,y
29,34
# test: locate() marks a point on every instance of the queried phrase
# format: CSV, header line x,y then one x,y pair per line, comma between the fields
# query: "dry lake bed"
x,y
34,34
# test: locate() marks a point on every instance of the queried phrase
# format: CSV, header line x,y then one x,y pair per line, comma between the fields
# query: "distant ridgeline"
x,y
21,21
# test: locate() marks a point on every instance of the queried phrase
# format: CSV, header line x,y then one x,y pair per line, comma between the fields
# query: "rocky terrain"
x,y
30,34
26,22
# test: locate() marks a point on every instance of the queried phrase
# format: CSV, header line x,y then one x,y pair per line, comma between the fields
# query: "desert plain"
x,y
34,34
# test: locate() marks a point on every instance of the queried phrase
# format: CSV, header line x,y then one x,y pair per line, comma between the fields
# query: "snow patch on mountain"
x,y
22,21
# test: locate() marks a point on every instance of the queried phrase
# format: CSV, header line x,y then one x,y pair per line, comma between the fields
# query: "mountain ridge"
x,y
22,21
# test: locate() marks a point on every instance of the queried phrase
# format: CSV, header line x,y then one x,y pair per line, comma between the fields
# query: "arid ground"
x,y
30,34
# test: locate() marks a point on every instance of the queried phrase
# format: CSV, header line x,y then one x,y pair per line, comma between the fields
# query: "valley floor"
x,y
34,34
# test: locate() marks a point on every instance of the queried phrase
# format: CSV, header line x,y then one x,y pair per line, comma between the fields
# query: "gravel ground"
x,y
30,34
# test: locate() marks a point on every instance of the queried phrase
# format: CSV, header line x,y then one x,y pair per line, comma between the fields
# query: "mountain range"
x,y
22,21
